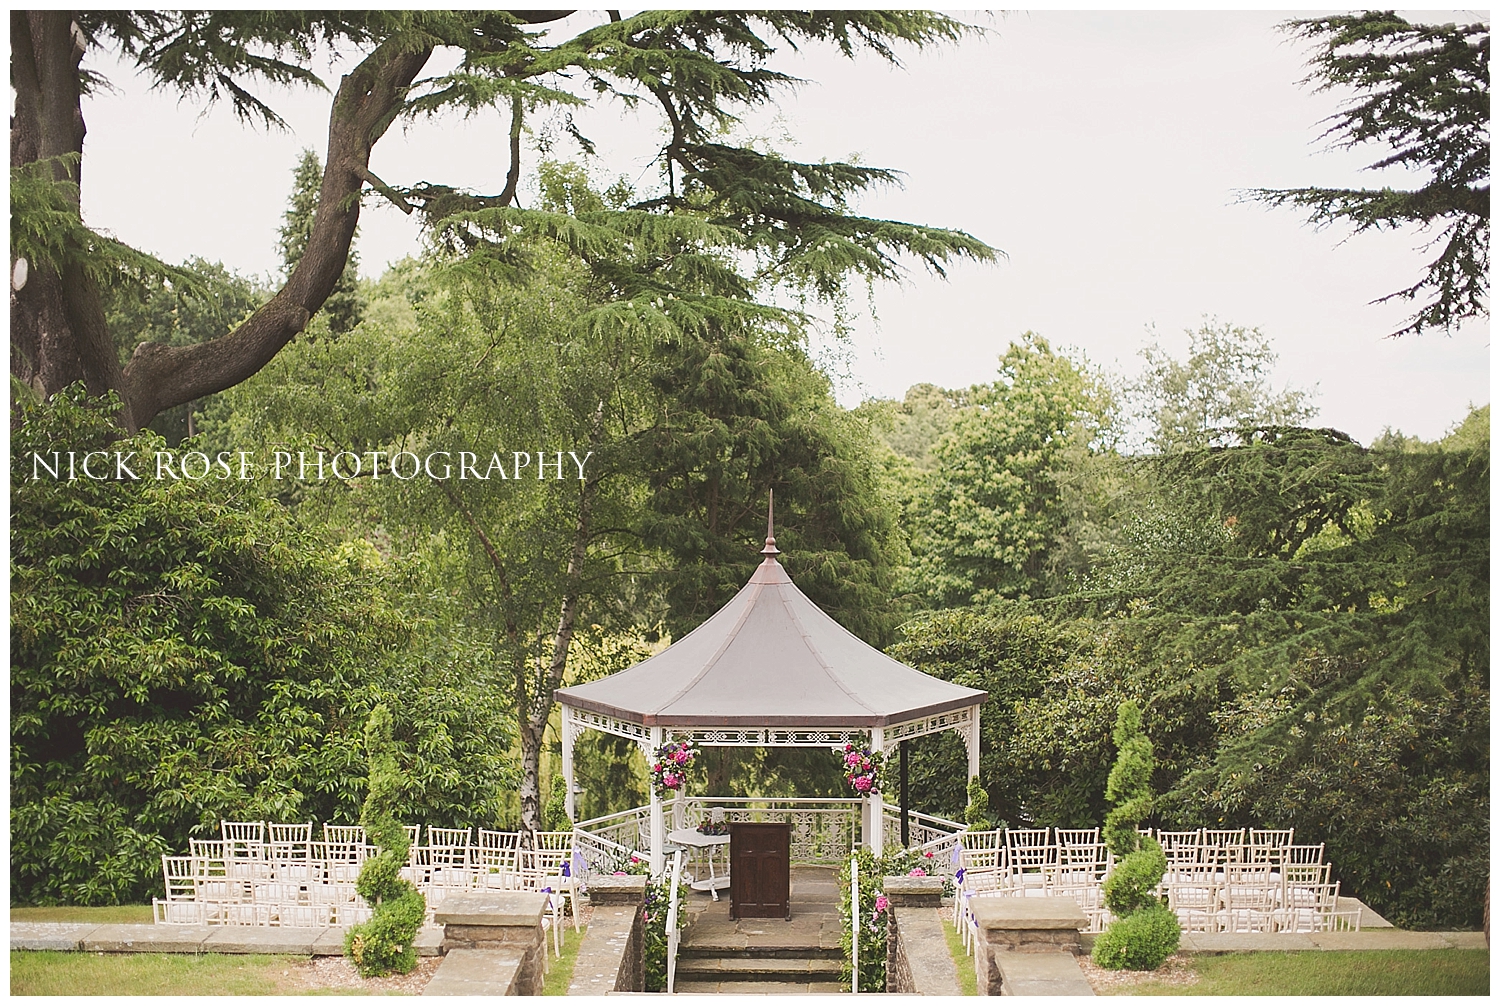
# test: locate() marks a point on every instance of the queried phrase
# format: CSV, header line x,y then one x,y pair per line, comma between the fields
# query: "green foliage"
x,y
1144,932
733,415
1314,655
1012,652
386,943
185,651
1129,783
654,929
985,520
1224,384
873,922
977,811
48,232
1139,942
1131,886
1422,96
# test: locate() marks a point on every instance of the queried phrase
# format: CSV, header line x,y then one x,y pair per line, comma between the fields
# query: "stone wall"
x,y
611,957
918,961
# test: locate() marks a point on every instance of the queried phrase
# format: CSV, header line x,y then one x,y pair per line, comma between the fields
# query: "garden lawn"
x,y
968,982
62,973
140,914
1333,973
560,969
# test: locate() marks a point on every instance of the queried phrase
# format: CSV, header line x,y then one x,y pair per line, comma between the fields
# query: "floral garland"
x,y
669,767
862,769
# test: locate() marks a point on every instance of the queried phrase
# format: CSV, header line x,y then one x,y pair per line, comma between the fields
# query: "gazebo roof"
x,y
770,657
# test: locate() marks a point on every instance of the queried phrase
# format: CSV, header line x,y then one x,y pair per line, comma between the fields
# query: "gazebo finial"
x,y
770,551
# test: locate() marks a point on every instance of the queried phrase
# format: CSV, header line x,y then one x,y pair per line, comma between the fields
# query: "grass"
x,y
72,913
968,982
1334,973
62,973
560,971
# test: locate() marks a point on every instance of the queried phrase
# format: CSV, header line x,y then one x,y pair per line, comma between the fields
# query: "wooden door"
x,y
760,871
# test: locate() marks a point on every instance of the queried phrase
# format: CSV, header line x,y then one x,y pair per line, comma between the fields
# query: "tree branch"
x,y
159,377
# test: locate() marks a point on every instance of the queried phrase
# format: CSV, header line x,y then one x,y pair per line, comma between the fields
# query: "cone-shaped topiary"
x,y
1145,932
977,813
384,945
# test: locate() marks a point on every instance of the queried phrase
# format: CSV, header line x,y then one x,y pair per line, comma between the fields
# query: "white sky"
x,y
1101,151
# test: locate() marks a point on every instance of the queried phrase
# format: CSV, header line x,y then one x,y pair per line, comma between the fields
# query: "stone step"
x,y
685,951
750,969
729,987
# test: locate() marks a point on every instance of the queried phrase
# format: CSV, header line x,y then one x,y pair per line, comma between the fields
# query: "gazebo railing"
x,y
823,830
607,843
928,833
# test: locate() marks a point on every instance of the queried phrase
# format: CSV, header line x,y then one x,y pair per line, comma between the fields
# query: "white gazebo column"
x,y
658,822
567,754
875,801
971,741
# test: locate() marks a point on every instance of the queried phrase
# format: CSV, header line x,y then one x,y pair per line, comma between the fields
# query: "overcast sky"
x,y
1102,152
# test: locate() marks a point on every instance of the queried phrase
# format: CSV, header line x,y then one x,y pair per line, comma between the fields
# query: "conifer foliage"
x,y
1422,93
384,945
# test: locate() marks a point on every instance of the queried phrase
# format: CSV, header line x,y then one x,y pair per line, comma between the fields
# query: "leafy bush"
x,y
189,651
654,929
1140,941
874,912
385,944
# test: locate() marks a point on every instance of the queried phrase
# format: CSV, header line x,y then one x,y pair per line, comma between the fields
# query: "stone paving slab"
x,y
933,970
1380,939
476,973
1368,917
1223,943
120,938
49,935
602,950
1041,974
262,940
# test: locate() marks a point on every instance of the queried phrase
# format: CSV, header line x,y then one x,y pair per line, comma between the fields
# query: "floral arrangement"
x,y
669,767
714,828
862,769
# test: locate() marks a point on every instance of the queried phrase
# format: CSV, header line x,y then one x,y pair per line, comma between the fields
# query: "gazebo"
x,y
769,669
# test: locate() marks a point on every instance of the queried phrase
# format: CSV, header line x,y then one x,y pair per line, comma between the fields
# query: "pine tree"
x,y
1423,94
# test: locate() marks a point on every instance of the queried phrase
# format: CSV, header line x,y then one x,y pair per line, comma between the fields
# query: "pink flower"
x,y
917,872
928,853
621,873
882,903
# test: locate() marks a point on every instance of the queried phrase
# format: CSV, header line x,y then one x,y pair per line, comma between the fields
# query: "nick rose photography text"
x,y
63,466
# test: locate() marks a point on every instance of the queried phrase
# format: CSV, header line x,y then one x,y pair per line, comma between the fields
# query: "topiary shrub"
x,y
384,945
1140,941
977,813
1145,932
1132,885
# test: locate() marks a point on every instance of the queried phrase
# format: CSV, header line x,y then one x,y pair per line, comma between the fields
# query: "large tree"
x,y
699,68
1422,93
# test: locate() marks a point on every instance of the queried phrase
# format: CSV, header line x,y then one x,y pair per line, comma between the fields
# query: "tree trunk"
x,y
58,331
58,335
534,720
